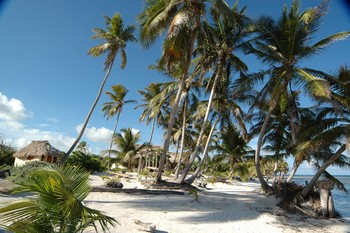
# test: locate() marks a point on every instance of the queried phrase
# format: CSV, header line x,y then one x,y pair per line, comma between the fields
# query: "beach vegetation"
x,y
55,203
6,153
90,162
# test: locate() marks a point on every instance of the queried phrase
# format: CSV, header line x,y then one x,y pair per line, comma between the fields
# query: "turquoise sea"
x,y
341,198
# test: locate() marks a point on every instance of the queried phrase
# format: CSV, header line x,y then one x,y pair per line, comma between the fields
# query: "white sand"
x,y
221,208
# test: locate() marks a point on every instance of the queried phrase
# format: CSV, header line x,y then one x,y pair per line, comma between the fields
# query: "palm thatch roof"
x,y
37,149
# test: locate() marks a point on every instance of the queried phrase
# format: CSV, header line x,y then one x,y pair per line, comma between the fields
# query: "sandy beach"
x,y
224,208
221,207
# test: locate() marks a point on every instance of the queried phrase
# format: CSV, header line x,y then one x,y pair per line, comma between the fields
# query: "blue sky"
x,y
48,82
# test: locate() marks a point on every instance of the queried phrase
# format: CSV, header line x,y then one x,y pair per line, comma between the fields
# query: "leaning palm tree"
x,y
115,107
339,134
181,19
282,45
114,40
56,207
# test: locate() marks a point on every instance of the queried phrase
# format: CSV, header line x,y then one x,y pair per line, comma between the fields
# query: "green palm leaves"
x,y
114,40
56,205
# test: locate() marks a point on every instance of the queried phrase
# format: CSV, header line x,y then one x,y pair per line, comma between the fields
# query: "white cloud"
x,y
94,134
12,109
12,113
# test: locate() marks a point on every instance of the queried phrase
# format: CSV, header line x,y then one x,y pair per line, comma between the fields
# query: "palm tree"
x,y
181,19
114,40
282,45
232,147
57,206
220,41
114,107
337,137
127,143
152,109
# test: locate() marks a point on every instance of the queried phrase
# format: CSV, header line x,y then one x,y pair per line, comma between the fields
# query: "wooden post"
x,y
324,195
327,204
331,209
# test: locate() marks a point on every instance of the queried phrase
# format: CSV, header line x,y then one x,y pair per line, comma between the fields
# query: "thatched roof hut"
x,y
38,151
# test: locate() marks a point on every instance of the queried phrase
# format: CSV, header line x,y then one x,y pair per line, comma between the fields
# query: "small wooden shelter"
x,y
38,151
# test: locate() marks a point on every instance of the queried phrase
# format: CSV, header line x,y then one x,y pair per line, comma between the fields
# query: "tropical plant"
x,y
282,44
127,145
114,40
181,19
115,106
336,138
57,205
89,162
6,153
217,53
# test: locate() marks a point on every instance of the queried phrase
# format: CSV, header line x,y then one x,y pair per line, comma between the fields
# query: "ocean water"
x,y
341,198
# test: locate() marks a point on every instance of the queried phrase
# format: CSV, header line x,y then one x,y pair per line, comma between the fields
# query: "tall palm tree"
x,y
56,207
114,38
115,106
219,42
181,19
282,44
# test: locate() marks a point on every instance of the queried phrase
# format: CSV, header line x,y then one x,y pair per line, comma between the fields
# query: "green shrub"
x,y
19,173
6,154
91,163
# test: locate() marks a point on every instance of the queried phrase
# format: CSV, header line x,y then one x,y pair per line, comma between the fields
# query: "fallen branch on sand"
x,y
144,226
137,191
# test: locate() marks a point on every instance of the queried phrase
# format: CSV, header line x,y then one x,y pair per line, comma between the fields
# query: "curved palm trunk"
x,y
182,141
292,173
264,185
205,153
111,144
176,104
64,158
201,134
319,172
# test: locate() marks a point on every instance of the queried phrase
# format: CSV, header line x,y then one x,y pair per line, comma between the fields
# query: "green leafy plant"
x,y
89,162
56,206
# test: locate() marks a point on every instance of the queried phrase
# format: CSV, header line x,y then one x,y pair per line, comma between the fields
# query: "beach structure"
x,y
38,151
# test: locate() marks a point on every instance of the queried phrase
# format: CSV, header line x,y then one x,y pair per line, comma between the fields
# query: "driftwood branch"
x,y
144,226
137,191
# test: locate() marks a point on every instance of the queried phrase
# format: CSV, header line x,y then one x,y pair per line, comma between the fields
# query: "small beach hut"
x,y
38,151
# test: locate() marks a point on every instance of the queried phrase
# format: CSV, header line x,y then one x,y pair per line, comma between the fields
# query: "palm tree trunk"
x,y
182,140
152,131
177,100
292,173
111,144
205,153
264,185
64,158
319,172
201,134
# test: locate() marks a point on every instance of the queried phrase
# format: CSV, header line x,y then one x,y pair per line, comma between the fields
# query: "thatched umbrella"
x,y
38,151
